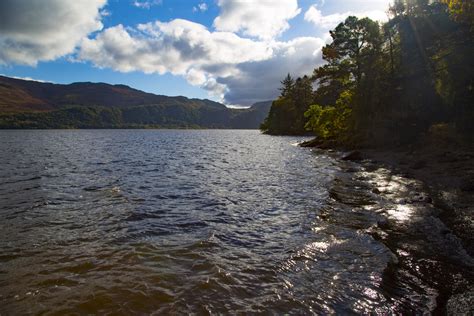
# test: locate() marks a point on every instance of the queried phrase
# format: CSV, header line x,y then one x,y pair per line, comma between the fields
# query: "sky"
x,y
232,51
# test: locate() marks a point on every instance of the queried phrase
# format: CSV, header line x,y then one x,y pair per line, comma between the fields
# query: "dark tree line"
x,y
287,114
387,83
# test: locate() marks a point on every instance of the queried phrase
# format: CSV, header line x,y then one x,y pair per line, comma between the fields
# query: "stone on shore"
x,y
352,156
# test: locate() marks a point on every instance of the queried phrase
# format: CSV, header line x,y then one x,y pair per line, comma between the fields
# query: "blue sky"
x,y
233,51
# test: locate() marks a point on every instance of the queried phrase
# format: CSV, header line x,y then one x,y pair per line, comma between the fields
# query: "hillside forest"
x,y
26,104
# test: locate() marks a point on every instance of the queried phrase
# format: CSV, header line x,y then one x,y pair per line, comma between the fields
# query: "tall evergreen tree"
x,y
287,86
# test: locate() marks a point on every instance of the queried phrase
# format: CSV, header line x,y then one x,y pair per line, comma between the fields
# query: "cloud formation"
x,y
173,47
57,28
315,16
27,78
146,4
257,81
263,19
240,61
200,7
238,70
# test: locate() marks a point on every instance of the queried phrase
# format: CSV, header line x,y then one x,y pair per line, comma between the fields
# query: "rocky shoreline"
x,y
424,196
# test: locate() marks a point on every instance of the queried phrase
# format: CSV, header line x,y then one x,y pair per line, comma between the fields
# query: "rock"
x,y
376,191
351,170
461,304
401,201
420,197
315,142
352,156
383,223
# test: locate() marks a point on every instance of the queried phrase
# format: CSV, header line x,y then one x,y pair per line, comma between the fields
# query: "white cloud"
x,y
56,29
263,19
27,78
235,69
105,12
173,47
146,4
315,16
200,7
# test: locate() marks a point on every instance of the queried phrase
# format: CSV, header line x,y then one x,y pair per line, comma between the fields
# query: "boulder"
x,y
315,142
352,156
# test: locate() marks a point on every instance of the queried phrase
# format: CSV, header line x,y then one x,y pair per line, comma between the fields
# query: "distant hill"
x,y
32,104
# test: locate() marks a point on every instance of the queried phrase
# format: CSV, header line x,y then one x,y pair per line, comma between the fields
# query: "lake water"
x,y
147,221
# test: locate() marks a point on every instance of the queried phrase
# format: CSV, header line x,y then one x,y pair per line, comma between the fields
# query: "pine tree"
x,y
287,86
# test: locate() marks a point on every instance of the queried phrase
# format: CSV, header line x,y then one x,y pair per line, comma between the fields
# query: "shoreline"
x,y
432,185
127,128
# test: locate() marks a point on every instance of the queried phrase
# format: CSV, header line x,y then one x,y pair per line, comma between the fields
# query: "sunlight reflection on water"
x,y
184,222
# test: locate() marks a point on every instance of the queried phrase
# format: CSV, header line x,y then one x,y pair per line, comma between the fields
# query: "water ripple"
x,y
143,222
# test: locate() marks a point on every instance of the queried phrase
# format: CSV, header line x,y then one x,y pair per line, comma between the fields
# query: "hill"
x,y
32,104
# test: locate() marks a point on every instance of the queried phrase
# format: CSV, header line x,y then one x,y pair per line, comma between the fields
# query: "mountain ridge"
x,y
33,104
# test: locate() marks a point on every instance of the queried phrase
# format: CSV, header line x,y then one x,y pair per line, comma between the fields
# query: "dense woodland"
x,y
145,116
389,83
38,105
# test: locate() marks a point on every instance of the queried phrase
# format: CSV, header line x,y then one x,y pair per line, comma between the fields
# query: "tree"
x,y
287,86
355,41
286,116
331,122
353,67
462,11
282,118
388,83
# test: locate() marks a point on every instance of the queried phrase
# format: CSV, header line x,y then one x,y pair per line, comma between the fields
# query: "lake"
x,y
177,221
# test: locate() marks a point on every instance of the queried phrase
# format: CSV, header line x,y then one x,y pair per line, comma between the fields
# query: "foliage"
x,y
286,115
462,11
281,118
355,44
389,83
150,116
330,122
287,86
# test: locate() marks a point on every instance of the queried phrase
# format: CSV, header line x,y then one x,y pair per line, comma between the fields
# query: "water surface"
x,y
145,221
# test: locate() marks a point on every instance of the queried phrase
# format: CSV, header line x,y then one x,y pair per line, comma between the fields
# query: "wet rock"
x,y
420,197
383,223
350,192
352,156
461,304
352,170
445,231
401,201
315,142
376,191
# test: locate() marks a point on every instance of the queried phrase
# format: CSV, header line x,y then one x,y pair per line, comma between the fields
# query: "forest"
x,y
181,116
386,84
